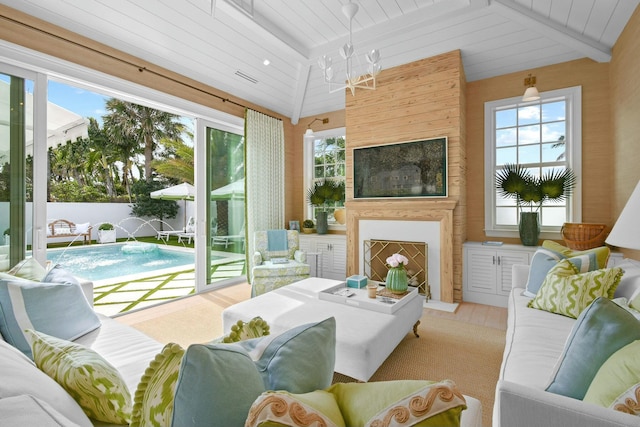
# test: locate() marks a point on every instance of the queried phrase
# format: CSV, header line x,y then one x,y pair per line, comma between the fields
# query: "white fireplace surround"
x,y
406,231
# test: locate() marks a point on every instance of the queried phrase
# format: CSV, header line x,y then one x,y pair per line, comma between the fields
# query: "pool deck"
x,y
133,292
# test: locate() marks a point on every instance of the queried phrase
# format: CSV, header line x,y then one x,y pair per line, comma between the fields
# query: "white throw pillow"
x,y
82,228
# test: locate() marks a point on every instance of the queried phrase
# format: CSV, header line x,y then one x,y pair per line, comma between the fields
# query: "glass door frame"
x,y
202,202
39,132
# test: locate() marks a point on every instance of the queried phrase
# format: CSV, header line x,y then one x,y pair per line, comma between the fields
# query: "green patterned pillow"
x,y
153,400
254,328
566,292
617,380
93,382
408,402
281,408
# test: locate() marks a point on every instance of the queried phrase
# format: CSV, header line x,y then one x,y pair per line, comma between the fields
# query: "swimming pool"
x,y
100,262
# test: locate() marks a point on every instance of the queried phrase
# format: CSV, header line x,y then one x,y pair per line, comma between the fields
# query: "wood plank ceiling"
x,y
220,43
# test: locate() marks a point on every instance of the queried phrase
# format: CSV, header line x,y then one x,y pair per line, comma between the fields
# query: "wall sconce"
x,y
531,93
309,131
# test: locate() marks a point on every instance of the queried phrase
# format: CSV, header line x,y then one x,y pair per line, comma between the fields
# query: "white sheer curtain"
x,y
264,166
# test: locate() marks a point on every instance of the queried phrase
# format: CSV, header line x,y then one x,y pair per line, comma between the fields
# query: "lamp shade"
x,y
531,94
308,132
626,231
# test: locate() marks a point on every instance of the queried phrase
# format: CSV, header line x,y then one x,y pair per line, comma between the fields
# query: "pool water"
x,y
99,262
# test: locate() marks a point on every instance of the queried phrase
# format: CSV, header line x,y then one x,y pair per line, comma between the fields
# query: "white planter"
x,y
6,239
106,236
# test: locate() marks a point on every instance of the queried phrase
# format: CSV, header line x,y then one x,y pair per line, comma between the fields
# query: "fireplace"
x,y
376,252
411,222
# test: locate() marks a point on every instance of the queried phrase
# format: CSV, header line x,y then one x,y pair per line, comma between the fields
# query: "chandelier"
x,y
364,81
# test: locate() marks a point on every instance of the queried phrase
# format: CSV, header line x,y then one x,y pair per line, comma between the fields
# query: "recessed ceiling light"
x,y
266,62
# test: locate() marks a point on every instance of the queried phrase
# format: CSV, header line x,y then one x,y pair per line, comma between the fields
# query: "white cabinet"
x,y
487,271
326,254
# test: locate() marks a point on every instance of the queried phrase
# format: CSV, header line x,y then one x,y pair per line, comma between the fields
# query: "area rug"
x,y
466,353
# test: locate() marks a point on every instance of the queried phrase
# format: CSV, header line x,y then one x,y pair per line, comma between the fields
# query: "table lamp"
x,y
626,230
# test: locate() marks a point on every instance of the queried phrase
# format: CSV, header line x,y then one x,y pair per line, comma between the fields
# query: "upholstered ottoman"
x,y
364,338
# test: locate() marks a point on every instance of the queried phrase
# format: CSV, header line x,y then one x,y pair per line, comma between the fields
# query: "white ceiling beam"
x,y
570,38
388,29
298,95
263,29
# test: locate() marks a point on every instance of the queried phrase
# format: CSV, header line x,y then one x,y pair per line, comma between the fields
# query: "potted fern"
x,y
531,192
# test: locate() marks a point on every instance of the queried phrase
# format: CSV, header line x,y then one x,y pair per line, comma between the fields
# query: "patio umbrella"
x,y
233,191
184,191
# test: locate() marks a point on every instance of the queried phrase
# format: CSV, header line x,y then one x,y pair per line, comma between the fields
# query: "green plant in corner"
x,y
7,232
105,226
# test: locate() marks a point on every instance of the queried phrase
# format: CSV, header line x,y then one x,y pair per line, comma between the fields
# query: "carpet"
x,y
466,353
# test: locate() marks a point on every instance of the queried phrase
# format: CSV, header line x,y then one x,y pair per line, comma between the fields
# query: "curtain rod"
x,y
124,61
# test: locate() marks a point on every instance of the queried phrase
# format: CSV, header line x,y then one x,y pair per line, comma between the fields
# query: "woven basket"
x,y
582,236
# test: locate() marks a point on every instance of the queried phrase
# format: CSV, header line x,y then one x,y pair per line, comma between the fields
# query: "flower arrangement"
x,y
397,260
396,281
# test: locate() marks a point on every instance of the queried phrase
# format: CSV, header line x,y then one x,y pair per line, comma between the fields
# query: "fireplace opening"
x,y
376,252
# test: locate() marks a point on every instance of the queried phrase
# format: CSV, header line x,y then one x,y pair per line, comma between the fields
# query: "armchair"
x,y
267,275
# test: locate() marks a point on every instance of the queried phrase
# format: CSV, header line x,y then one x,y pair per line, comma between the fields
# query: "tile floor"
x,y
117,298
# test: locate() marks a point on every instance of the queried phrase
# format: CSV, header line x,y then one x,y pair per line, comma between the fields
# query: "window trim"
x,y
573,96
308,168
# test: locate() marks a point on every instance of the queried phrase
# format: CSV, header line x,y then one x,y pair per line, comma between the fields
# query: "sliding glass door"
x,y
221,197
19,98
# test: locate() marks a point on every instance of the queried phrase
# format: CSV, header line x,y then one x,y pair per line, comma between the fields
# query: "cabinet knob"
x,y
494,260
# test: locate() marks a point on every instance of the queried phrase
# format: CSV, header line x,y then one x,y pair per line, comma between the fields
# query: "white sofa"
x,y
535,340
127,349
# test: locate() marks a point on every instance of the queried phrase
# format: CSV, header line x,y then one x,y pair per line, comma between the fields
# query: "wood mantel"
x,y
437,210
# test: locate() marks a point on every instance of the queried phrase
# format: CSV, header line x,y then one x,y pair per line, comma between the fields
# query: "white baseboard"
x,y
442,306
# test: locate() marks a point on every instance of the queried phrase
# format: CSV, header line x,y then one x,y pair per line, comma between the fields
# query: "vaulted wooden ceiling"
x,y
223,43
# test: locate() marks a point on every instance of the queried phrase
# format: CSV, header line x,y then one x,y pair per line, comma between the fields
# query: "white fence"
x,y
118,214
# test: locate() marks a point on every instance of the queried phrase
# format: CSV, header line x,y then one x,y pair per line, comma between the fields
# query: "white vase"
x,y
106,236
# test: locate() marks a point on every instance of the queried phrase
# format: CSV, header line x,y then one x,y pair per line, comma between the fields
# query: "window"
x,y
540,136
325,160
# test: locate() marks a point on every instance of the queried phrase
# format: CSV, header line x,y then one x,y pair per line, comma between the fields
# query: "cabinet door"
x,y
338,256
481,270
505,261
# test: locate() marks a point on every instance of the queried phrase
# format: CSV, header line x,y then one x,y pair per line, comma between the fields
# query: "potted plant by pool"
x,y
515,181
6,236
106,233
324,196
308,226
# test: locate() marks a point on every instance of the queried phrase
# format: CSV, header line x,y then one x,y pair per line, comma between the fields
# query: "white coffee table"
x,y
364,338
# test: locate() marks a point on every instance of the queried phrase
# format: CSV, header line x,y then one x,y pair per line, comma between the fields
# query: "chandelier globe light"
x,y
347,52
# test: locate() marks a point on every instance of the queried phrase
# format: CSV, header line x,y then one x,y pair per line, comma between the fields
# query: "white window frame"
x,y
573,155
308,168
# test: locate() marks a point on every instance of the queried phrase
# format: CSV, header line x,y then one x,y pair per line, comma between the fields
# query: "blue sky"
x,y
80,101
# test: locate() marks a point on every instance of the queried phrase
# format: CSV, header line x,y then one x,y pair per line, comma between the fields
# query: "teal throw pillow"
x,y
232,376
601,329
57,309
547,256
216,386
299,360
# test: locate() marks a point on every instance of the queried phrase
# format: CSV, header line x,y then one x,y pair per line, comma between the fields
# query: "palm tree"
x,y
147,126
177,162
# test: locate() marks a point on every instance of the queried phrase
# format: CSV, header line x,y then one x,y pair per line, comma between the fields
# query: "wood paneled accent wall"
x,y
625,115
597,142
420,100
